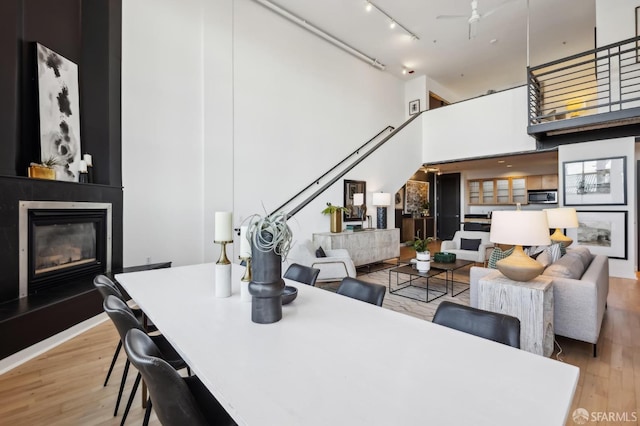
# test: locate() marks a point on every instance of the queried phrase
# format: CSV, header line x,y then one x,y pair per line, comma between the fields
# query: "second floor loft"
x,y
597,90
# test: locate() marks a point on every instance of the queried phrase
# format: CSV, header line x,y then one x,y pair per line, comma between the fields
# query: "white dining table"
x,y
332,360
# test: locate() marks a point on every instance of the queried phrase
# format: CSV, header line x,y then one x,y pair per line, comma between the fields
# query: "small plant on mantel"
x,y
45,169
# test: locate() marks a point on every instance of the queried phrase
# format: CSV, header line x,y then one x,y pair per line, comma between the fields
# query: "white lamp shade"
x,y
381,199
358,199
518,227
563,217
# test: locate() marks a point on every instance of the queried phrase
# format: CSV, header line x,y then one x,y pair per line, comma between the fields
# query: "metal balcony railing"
x,y
603,82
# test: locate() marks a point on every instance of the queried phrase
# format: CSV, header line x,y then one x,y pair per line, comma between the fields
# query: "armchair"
x,y
336,266
454,245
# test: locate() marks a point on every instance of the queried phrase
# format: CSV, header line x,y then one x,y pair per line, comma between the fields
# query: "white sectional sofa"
x,y
579,301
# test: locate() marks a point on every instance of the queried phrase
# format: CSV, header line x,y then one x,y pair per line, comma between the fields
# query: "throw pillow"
x,y
320,252
469,244
498,254
569,266
584,254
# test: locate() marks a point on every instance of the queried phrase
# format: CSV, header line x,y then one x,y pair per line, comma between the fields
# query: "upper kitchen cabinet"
x,y
542,182
508,190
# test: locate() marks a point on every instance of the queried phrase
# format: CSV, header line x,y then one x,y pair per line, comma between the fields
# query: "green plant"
x,y
330,209
420,244
268,233
51,161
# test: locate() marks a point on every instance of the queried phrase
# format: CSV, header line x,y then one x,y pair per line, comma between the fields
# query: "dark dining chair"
x,y
494,326
176,400
367,292
302,274
106,287
124,321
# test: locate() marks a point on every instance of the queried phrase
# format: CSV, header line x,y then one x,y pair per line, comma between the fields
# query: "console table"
x,y
531,302
364,247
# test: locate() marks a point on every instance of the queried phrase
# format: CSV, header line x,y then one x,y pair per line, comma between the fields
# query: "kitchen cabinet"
x,y
538,182
507,190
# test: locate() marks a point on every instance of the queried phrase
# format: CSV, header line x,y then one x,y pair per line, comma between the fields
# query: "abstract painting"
x,y
59,107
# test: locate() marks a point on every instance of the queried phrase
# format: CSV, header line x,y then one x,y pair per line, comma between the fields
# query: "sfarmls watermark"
x,y
581,416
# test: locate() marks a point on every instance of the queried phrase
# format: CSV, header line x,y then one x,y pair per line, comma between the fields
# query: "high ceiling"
x,y
495,59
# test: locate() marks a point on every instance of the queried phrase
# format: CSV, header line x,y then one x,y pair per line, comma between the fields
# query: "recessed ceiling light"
x,y
501,161
493,41
392,25
509,165
368,6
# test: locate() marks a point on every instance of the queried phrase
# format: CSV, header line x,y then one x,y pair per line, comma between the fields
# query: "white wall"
x,y
605,149
416,88
227,106
615,20
162,167
484,126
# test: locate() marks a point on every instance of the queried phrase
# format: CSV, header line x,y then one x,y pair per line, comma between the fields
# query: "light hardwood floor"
x,y
64,385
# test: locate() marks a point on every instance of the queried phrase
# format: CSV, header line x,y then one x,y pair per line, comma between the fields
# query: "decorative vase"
x,y
423,261
266,284
336,221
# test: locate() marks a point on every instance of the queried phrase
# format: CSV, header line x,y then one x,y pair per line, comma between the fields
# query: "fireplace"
x,y
62,242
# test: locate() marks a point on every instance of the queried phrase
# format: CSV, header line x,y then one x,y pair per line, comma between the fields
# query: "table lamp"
x,y
563,217
382,200
358,200
518,228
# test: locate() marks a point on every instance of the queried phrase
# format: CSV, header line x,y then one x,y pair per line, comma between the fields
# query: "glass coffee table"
x,y
414,286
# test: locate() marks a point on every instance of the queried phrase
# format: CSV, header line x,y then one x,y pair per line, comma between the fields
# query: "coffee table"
x,y
437,268
448,269
413,275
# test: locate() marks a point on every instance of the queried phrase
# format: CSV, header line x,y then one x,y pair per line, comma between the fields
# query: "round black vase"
x,y
266,286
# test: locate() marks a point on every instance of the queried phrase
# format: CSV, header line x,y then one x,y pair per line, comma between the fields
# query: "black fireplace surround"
x,y
87,32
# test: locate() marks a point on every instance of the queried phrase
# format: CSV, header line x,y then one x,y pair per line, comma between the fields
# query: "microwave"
x,y
542,197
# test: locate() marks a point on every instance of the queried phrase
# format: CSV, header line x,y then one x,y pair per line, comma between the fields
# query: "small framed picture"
x,y
414,107
602,232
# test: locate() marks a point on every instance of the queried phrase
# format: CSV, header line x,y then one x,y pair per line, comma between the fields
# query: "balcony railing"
x,y
594,89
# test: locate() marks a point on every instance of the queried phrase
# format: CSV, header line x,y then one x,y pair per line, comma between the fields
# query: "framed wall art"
x,y
414,107
602,232
601,181
415,196
399,199
354,212
59,109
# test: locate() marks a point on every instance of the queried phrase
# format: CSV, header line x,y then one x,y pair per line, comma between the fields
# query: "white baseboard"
x,y
13,361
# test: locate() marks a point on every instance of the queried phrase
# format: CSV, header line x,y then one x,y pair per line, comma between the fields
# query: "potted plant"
x,y
425,209
336,216
44,170
423,257
270,238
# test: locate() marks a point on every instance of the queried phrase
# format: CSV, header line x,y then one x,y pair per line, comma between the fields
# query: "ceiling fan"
x,y
475,16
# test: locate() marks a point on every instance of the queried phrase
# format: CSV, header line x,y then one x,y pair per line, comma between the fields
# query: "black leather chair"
x,y
302,274
106,287
494,326
367,292
124,320
176,400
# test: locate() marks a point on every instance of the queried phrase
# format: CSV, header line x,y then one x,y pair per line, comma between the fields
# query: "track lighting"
x,y
369,5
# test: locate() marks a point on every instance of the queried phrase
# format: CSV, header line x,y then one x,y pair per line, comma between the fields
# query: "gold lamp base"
x,y
559,237
519,267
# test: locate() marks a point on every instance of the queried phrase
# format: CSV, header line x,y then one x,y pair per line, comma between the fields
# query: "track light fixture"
x,y
369,5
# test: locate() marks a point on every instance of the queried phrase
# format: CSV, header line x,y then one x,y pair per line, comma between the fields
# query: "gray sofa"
x,y
579,304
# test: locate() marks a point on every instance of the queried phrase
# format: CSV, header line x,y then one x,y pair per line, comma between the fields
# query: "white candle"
x,y
88,159
223,227
245,245
82,166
